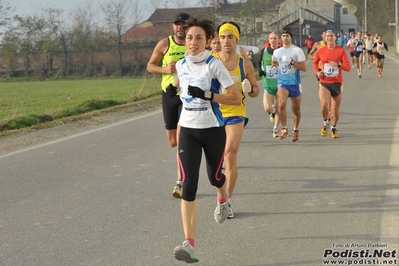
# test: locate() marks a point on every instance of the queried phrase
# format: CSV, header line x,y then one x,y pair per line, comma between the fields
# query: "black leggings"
x,y
191,143
171,111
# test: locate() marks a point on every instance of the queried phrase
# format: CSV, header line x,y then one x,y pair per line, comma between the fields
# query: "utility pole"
x,y
300,22
397,26
365,15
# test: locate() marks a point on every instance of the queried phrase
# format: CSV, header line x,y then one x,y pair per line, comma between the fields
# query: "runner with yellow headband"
x,y
228,27
243,74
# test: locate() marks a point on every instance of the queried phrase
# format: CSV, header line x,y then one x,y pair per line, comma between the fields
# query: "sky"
x,y
30,7
27,7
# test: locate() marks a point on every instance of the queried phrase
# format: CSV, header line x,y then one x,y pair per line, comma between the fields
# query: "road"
x,y
104,197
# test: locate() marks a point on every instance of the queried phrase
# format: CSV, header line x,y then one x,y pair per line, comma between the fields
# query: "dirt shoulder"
x,y
25,138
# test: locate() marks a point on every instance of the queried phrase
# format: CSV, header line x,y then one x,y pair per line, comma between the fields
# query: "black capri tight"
x,y
171,111
191,143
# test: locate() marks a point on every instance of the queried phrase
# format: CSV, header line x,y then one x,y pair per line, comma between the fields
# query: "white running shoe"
x,y
231,213
222,211
177,190
185,252
275,132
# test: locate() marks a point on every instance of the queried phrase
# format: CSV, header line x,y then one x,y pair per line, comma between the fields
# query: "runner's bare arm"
x,y
314,49
250,75
232,97
300,65
156,56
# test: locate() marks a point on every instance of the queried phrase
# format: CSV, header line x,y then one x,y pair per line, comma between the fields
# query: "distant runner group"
x,y
365,48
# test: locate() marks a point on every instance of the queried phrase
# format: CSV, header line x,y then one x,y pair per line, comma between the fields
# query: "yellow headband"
x,y
230,28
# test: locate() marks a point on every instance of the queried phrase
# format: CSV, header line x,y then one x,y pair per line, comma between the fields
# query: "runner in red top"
x,y
309,43
333,60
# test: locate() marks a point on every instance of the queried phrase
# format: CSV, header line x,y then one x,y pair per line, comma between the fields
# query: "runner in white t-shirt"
x,y
199,77
289,59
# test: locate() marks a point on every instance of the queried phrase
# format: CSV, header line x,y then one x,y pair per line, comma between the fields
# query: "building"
x,y
349,21
256,19
143,37
306,17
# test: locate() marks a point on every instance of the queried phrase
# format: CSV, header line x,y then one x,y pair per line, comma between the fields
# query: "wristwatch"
x,y
339,64
292,62
208,95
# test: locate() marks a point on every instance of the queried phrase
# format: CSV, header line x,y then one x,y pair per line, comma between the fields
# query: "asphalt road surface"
x,y
104,197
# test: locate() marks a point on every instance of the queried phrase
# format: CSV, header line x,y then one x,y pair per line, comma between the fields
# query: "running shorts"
x,y
171,111
358,53
378,56
235,120
293,90
334,88
271,90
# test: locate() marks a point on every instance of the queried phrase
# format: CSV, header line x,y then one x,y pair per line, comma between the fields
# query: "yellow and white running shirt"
x,y
238,75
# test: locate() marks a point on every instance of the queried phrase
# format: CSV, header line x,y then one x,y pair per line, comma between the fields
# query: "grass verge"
x,y
26,104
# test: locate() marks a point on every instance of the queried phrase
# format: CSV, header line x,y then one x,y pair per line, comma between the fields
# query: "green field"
x,y
27,103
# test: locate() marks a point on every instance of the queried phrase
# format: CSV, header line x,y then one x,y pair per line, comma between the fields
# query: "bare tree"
x,y
116,12
84,28
380,12
9,52
152,5
62,35
116,15
176,3
6,12
28,30
137,12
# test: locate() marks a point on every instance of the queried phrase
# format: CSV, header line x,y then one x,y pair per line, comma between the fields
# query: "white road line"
x,y
390,219
80,134
393,58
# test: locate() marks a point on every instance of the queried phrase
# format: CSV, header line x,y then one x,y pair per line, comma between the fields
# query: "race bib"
x,y
381,50
359,48
330,71
286,68
271,72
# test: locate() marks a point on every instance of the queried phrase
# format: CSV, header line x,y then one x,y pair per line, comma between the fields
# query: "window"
x,y
345,11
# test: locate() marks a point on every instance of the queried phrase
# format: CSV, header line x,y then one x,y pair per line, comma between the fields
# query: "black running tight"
x,y
191,143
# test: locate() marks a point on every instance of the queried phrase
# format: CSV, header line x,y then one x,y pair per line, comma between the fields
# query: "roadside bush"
x,y
33,120
21,122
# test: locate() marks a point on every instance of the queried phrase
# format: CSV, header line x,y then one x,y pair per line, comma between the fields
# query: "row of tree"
x,y
91,26
99,26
